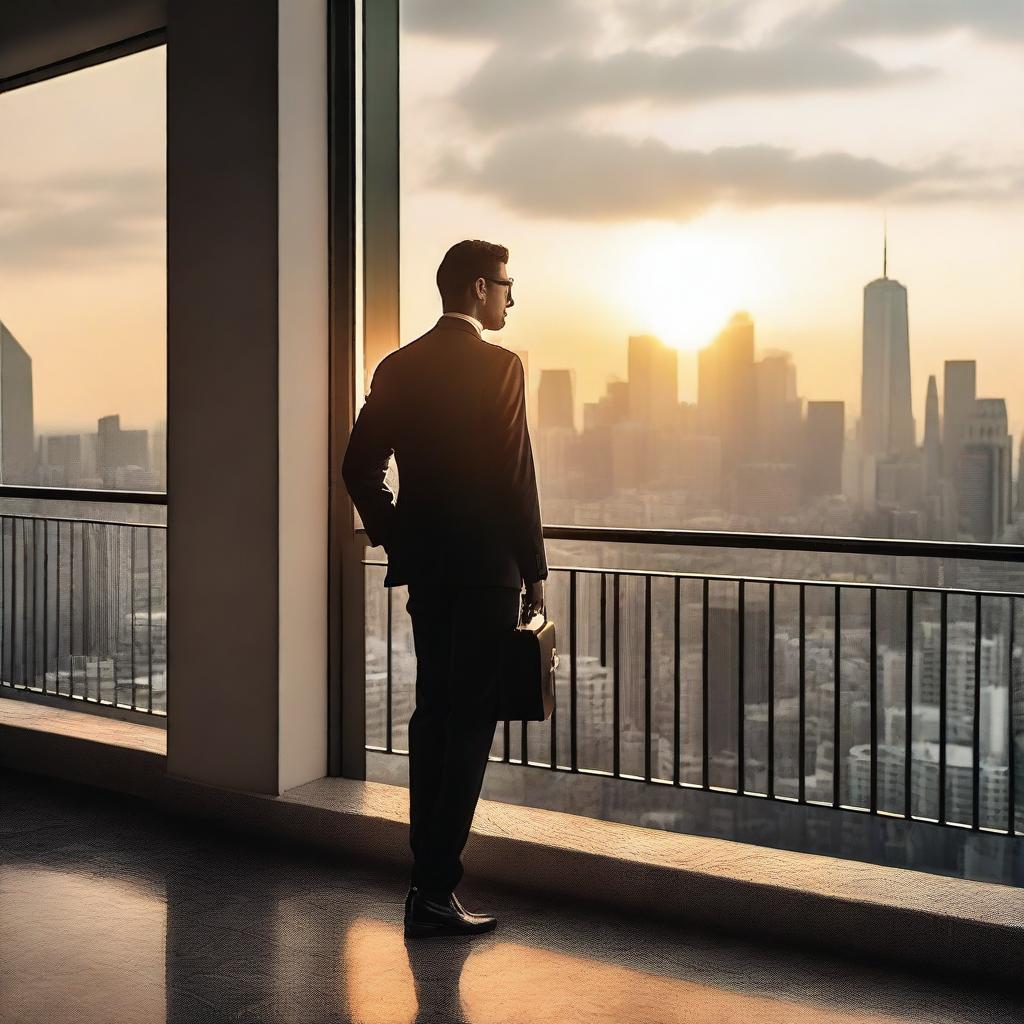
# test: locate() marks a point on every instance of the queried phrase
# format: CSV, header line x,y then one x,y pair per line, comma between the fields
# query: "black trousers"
x,y
456,632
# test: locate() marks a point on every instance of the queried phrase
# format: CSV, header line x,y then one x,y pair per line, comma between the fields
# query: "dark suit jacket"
x,y
452,409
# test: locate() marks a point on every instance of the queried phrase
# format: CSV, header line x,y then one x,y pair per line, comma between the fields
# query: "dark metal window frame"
x,y
88,59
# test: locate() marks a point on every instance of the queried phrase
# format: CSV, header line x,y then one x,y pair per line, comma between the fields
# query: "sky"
x,y
83,240
655,166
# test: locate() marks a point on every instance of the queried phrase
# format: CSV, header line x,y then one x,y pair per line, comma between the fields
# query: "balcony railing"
x,y
82,602
858,696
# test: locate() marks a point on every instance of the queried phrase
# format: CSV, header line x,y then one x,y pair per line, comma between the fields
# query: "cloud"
x,y
1002,20
75,219
510,87
571,175
536,20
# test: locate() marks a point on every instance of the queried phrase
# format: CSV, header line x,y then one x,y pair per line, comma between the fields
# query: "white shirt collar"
x,y
472,319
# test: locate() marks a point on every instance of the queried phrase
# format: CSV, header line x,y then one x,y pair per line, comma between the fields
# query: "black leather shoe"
x,y
443,915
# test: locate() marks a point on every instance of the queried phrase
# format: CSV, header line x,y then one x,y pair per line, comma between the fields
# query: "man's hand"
x,y
533,601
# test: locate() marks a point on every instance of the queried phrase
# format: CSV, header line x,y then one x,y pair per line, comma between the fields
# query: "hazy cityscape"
x,y
108,458
752,454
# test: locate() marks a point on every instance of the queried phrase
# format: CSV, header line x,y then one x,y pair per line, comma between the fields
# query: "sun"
x,y
681,284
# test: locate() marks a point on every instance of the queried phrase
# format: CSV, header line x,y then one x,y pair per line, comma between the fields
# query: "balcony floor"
x,y
111,912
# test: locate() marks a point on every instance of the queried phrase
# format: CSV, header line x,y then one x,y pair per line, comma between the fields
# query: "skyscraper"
x,y
932,441
554,400
653,381
824,438
777,417
984,471
725,390
887,419
959,392
17,427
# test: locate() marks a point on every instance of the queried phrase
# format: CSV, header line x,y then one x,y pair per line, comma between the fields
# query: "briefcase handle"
x,y
522,623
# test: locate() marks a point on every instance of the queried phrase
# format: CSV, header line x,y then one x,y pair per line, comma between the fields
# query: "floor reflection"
x,y
110,913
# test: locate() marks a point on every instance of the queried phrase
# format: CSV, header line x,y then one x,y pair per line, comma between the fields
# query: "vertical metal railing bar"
x,y
943,644
705,758
86,595
553,742
71,613
387,720
873,696
33,672
14,596
115,576
741,604
837,671
149,613
616,681
24,608
771,691
976,738
573,711
647,678
1011,826
676,683
604,620
56,615
46,607
131,574
523,744
801,781
908,706
3,591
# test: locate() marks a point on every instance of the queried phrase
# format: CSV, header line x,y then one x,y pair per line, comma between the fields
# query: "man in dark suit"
x,y
465,535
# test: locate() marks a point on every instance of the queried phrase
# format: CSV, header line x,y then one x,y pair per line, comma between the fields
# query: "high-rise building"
x,y
17,426
554,400
117,449
653,381
932,438
985,471
959,392
777,416
61,455
725,390
887,419
824,438
531,406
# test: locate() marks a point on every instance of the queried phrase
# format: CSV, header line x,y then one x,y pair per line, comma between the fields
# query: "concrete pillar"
x,y
247,392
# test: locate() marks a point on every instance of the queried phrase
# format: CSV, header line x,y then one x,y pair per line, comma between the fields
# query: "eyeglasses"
x,y
509,281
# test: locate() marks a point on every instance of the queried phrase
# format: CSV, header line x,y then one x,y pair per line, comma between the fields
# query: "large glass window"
x,y
696,197
83,304
766,260
83,384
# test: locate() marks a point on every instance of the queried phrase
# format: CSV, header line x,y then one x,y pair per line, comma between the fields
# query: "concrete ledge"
x,y
884,914
82,747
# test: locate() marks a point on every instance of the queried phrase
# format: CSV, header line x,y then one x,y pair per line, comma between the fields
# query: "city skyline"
x,y
588,277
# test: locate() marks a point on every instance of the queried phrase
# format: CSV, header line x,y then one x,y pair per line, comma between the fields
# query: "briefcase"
x,y
526,674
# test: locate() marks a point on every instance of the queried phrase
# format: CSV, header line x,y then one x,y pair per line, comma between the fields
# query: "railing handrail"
x,y
785,542
767,581
83,494
790,542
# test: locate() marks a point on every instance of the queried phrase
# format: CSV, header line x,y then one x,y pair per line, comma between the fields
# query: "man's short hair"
x,y
463,263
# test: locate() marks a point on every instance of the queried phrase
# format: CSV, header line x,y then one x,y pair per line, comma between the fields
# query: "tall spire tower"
x,y
887,420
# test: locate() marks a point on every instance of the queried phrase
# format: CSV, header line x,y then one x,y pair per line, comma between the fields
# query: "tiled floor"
x,y
108,913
